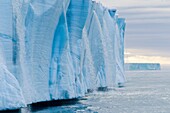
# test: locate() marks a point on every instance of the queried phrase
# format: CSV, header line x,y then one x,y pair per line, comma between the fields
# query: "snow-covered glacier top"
x,y
58,49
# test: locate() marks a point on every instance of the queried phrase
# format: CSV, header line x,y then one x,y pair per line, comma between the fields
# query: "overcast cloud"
x,y
148,27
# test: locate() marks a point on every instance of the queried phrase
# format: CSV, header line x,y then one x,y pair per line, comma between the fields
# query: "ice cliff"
x,y
57,49
142,66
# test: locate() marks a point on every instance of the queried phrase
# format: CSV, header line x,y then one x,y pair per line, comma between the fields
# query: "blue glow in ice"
x,y
57,49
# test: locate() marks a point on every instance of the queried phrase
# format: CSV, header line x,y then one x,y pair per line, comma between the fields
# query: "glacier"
x,y
58,49
142,66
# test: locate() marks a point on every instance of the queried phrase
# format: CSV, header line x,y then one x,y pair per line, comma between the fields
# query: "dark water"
x,y
64,106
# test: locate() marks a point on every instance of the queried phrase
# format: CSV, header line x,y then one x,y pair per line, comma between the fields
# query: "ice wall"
x,y
142,66
59,49
11,95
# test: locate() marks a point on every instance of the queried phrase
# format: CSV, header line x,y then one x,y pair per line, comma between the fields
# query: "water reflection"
x,y
61,106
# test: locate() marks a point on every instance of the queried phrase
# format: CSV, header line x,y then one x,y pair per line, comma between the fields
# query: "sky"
x,y
147,37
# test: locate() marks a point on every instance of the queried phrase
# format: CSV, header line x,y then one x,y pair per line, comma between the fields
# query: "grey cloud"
x,y
148,24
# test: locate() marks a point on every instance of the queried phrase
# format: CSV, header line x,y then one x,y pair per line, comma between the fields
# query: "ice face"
x,y
142,66
58,49
11,95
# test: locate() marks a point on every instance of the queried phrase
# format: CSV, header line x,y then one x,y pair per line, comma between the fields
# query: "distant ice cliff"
x,y
142,66
57,49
